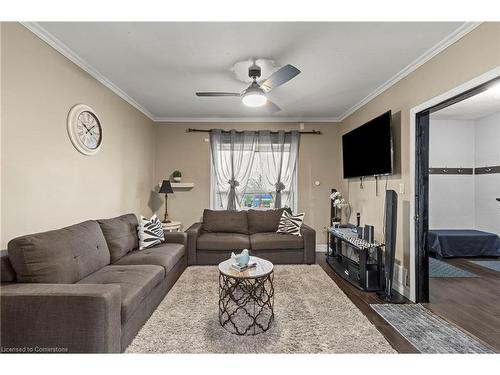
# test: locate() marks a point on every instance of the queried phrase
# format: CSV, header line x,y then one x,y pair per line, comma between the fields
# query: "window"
x,y
259,188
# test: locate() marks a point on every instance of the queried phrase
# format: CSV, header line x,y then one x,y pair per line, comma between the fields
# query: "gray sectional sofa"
x,y
221,232
85,288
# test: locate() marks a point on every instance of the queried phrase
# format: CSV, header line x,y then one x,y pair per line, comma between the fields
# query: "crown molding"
x,y
64,50
459,33
246,119
59,46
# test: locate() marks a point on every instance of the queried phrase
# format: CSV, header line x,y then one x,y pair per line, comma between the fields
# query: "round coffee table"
x,y
246,298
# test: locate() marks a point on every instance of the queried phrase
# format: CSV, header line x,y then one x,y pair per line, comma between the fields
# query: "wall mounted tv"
x,y
367,150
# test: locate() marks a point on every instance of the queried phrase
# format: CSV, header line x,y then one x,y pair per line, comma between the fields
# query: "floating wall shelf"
x,y
182,185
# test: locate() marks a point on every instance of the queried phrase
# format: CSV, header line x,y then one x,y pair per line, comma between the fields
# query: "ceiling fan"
x,y
255,94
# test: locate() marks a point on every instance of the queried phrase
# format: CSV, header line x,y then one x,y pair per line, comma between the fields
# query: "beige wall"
x,y
476,53
190,153
46,183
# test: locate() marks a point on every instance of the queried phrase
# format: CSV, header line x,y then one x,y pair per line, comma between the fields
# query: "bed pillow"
x,y
290,224
150,232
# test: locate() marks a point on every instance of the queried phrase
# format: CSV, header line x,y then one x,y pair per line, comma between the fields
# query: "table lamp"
x,y
166,189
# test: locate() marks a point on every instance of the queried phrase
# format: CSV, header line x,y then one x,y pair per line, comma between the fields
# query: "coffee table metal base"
x,y
246,305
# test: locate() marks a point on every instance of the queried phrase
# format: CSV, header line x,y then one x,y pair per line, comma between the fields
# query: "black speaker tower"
x,y
391,218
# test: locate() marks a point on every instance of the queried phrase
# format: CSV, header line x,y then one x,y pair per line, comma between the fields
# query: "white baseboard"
x,y
321,247
399,280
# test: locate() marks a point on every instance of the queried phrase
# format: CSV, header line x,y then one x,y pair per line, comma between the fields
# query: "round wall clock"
x,y
84,129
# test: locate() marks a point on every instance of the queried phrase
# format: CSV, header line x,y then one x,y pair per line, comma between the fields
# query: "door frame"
x,y
419,287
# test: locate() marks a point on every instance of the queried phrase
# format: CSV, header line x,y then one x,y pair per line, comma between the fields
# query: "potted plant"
x,y
177,175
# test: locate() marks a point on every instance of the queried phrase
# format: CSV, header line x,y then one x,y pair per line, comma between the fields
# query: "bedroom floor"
x,y
472,303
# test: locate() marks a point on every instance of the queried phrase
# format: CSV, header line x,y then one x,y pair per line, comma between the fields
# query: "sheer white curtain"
x,y
278,155
233,154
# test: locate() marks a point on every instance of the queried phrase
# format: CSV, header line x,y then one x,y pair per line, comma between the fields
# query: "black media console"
x,y
354,259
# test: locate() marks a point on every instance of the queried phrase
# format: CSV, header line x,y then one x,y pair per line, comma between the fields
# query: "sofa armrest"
x,y
176,237
62,318
309,235
192,235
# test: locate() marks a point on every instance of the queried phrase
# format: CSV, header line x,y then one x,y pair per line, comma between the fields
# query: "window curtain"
x,y
232,169
278,154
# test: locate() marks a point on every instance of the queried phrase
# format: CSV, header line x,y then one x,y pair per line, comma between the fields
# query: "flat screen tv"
x,y
367,150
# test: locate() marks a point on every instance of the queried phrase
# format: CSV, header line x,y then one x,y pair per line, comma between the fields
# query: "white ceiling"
x,y
477,106
158,66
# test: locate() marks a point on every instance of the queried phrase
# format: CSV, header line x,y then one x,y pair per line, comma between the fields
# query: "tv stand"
x,y
354,259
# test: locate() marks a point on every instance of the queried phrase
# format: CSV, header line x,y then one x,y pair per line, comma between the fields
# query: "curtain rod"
x,y
191,130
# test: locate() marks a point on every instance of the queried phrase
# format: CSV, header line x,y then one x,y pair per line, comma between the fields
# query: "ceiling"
x,y
158,66
477,106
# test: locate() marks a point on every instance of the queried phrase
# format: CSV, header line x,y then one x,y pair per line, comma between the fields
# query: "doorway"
x,y
457,209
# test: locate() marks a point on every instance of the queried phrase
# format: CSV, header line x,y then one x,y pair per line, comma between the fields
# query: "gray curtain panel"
x,y
278,155
233,155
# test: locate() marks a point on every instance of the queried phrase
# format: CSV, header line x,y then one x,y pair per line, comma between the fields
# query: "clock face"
x,y
88,130
84,129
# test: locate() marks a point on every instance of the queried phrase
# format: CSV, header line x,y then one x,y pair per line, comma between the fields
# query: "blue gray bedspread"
x,y
463,243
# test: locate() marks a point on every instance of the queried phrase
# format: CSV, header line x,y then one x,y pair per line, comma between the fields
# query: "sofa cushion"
x,y
166,255
275,241
223,241
225,221
264,220
7,273
62,256
121,235
136,282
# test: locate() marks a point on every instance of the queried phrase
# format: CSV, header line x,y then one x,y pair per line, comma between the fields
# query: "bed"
x,y
447,243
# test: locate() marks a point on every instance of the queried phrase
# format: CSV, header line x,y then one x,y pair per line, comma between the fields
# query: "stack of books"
x,y
244,268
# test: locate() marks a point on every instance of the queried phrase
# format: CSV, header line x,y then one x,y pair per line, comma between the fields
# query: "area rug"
x,y
427,332
491,264
312,315
438,268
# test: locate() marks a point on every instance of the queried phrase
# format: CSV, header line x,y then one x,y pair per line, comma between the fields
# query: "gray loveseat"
x,y
222,232
85,288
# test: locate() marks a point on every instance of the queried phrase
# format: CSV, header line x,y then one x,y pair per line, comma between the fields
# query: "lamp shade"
x,y
166,188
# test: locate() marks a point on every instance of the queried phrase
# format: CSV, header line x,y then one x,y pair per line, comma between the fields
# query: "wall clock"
x,y
84,129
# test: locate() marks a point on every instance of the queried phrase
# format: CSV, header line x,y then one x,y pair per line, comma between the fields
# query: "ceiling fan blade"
x,y
271,107
218,94
280,77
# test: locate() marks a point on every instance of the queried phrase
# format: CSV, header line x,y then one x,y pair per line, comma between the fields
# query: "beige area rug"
x,y
312,315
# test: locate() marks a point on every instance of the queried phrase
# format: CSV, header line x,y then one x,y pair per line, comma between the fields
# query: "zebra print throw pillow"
x,y
150,232
290,224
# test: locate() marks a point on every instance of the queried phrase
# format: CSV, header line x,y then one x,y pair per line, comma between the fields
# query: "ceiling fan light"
x,y
254,99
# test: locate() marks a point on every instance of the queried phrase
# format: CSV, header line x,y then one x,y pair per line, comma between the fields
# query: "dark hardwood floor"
x,y
363,300
472,303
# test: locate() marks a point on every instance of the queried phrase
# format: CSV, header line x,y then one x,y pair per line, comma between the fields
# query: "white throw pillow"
x,y
291,224
150,232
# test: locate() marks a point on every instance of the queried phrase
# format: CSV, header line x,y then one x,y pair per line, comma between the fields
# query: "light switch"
x,y
401,188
